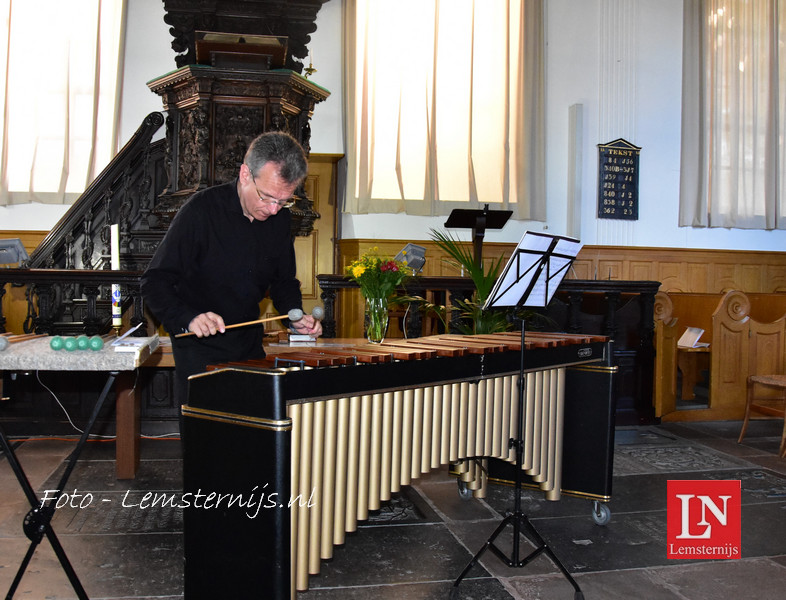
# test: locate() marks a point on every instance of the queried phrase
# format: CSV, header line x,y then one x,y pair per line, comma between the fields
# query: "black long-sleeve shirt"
x,y
214,259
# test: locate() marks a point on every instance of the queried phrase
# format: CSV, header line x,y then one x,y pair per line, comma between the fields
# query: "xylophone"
x,y
340,428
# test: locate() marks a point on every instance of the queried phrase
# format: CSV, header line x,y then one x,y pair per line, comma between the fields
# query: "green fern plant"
x,y
475,319
462,258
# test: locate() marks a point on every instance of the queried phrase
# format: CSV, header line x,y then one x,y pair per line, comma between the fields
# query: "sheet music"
x,y
534,270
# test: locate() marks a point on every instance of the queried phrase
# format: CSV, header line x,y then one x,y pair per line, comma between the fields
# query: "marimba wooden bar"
x,y
333,431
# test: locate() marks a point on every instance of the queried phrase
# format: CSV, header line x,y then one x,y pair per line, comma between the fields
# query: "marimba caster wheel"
x,y
34,525
463,490
601,513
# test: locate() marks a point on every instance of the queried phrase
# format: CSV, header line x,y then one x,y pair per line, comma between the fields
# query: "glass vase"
x,y
376,319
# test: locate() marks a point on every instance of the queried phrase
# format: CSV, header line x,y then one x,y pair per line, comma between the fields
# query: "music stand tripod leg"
x,y
518,518
37,522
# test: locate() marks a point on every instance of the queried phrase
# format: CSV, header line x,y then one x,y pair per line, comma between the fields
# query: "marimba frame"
x,y
312,398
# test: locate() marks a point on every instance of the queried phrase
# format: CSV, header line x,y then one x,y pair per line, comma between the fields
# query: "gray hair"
x,y
279,148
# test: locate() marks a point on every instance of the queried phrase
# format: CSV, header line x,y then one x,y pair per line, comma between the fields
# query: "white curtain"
x,y
445,106
60,74
733,118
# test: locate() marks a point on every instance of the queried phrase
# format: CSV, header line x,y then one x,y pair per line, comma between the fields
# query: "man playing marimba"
x,y
226,248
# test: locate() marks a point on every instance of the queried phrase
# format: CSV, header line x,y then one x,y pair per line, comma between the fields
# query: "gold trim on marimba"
x,y
242,420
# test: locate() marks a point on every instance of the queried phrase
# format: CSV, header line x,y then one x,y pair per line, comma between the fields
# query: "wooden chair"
x,y
772,405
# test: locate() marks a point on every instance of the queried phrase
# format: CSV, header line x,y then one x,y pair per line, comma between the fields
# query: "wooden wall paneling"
x,y
306,259
724,277
774,276
641,270
30,239
680,270
582,269
748,277
610,269
671,277
699,278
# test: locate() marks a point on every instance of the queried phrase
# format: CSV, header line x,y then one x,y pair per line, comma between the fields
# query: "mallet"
x,y
293,315
8,338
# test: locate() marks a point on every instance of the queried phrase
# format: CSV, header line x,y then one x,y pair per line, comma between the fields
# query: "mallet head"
x,y
295,314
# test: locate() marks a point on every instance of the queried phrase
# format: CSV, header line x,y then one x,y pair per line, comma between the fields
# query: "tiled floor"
x,y
415,547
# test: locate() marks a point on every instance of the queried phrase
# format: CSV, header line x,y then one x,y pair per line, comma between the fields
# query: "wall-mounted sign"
x,y
618,180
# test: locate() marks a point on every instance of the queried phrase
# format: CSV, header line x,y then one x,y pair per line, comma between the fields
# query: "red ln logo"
x,y
703,519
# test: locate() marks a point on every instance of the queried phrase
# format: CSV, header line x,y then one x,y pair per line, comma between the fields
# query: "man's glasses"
x,y
281,203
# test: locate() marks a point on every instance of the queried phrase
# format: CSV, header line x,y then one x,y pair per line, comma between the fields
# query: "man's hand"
x,y
308,325
206,324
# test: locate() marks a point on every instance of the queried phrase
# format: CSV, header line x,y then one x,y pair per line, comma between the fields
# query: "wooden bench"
x,y
747,336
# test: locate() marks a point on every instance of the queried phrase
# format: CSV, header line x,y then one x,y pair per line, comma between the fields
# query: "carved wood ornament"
x,y
214,111
294,19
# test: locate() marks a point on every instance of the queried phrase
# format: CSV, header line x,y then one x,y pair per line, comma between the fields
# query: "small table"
x,y
36,355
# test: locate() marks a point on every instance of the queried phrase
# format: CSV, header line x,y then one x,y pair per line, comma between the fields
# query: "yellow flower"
x,y
378,276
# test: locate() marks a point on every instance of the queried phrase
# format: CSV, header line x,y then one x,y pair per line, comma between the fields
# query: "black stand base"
x,y
517,518
520,523
37,522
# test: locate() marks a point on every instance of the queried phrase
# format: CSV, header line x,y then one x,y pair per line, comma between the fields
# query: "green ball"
x,y
56,343
96,343
82,342
69,344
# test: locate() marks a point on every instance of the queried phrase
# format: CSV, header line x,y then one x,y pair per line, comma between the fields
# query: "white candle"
x,y
114,245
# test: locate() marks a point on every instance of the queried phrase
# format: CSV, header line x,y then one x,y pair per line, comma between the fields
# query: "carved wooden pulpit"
x,y
213,114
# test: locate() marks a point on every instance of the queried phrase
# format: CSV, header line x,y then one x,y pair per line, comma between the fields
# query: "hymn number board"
x,y
618,180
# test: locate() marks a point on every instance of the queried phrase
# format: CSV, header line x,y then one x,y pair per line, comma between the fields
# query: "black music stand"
x,y
478,221
530,278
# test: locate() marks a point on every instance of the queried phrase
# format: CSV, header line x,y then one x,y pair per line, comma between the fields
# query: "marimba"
x,y
293,454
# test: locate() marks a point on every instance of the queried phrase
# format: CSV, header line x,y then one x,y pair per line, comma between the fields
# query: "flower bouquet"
x,y
378,277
